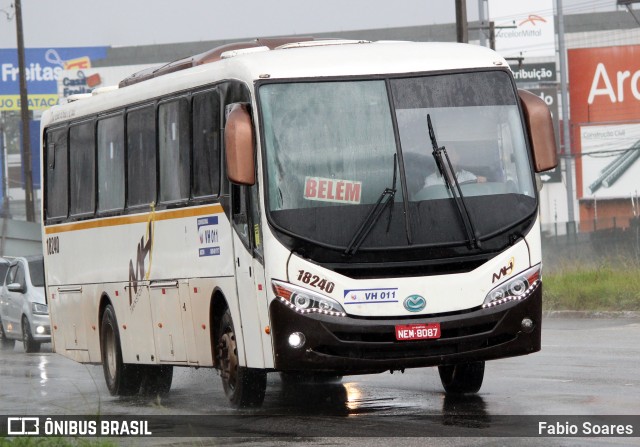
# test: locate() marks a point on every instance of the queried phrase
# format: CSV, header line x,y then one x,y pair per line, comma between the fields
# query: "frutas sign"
x,y
604,84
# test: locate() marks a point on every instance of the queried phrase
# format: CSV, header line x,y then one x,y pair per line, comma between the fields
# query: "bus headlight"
x,y
517,288
306,301
39,309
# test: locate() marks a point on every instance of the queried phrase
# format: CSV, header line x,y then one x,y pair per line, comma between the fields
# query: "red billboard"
x,y
604,84
604,88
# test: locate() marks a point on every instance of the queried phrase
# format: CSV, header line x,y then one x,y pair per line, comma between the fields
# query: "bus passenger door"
x,y
246,277
167,315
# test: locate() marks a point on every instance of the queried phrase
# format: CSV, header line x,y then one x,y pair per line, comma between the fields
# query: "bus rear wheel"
x,y
122,379
244,387
464,378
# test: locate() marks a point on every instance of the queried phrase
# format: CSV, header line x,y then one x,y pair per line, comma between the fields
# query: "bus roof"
x,y
306,59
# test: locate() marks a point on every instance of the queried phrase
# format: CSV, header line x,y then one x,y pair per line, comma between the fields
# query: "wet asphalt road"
x,y
586,367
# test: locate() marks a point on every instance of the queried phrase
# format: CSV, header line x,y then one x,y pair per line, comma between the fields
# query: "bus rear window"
x,y
57,181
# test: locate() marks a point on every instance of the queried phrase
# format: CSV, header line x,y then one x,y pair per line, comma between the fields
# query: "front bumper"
x,y
348,345
45,322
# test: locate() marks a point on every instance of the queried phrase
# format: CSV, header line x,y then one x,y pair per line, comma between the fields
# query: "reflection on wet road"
x,y
585,367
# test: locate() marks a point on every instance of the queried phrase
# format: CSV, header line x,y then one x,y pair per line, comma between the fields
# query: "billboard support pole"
x,y
24,113
567,154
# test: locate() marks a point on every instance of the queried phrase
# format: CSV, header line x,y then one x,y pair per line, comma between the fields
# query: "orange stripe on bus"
x,y
133,219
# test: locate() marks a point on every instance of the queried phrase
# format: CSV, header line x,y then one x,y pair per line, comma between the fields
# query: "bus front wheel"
x,y
244,387
122,379
463,378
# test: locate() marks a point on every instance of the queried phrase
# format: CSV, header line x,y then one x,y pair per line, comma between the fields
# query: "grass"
x,y
609,286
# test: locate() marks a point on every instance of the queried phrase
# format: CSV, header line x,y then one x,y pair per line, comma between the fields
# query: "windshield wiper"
x,y
448,174
386,199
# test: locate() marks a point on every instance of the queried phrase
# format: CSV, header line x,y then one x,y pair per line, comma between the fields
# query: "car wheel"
x,y
463,378
30,345
122,379
5,342
244,387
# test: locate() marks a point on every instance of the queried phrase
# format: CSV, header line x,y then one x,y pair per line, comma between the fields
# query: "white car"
x,y
24,314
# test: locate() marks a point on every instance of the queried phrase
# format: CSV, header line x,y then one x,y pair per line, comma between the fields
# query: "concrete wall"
x,y
20,238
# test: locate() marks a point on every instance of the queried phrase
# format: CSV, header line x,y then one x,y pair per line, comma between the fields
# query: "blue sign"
x,y
44,66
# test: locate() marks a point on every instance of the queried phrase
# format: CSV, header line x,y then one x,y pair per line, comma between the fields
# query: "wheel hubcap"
x,y
228,355
109,347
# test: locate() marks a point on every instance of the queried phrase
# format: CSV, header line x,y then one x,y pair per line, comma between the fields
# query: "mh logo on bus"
x,y
504,271
415,303
139,273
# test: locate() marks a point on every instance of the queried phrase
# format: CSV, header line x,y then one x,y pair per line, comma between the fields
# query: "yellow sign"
x,y
36,102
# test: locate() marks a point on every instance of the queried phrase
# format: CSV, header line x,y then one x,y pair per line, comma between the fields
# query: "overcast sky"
x,y
71,23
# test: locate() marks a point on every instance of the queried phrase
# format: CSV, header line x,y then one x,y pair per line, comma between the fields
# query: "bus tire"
x,y
30,345
5,342
244,387
464,378
122,379
156,380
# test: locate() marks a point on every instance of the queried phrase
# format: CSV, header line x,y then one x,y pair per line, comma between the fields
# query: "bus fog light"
x,y
527,325
296,340
40,330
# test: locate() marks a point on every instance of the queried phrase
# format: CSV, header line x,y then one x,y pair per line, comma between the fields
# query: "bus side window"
x,y
141,156
111,163
173,150
206,145
57,205
82,168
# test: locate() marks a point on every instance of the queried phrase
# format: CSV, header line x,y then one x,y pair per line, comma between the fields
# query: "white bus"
x,y
317,207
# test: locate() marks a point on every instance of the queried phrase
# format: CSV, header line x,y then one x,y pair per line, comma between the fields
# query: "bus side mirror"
x,y
239,142
540,129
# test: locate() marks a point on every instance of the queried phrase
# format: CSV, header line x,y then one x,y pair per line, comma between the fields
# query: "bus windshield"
x,y
330,146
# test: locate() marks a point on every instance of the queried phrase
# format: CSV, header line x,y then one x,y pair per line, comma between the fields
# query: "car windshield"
x,y
330,146
36,271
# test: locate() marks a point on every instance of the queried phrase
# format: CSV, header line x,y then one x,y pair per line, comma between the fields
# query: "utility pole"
x,y
24,113
492,35
481,18
568,157
462,30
